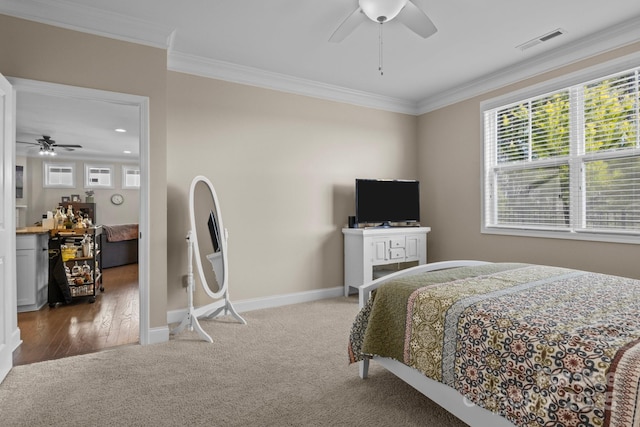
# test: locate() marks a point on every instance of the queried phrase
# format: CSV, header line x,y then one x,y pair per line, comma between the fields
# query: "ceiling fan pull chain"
x,y
380,52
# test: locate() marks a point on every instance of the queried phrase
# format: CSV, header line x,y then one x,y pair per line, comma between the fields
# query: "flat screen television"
x,y
383,201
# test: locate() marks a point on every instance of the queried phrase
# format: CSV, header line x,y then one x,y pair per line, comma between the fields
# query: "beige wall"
x,y
450,152
284,168
40,52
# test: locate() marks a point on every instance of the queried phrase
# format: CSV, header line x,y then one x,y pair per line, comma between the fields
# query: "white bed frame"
x,y
441,394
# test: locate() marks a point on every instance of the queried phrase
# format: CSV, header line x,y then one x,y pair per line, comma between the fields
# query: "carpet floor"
x,y
287,367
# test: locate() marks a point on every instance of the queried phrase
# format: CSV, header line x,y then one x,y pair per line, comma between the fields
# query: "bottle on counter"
x,y
59,218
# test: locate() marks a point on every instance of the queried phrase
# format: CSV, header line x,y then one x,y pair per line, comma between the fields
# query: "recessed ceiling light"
x,y
121,130
127,152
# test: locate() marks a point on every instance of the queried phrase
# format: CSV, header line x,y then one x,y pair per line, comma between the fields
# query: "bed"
x,y
504,344
119,245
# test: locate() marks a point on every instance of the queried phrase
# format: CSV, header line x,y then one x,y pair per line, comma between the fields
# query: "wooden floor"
x,y
80,327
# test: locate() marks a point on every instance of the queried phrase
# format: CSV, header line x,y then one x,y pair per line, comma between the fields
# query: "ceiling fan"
x,y
48,145
382,11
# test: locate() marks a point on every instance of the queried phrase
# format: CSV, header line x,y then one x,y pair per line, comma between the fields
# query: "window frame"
x,y
586,75
46,183
90,185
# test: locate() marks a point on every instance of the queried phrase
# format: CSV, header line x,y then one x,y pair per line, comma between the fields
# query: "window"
x,y
98,176
130,177
59,175
566,162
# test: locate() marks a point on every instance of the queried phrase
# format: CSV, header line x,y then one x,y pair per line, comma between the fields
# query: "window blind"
x,y
566,161
58,175
131,178
98,176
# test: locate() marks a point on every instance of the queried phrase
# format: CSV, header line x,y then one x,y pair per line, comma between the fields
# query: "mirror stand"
x,y
206,241
190,320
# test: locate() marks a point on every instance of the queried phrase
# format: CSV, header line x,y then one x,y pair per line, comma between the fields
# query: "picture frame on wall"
x,y
65,199
75,198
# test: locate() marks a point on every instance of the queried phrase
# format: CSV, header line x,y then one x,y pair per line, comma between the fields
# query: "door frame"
x,y
142,102
9,332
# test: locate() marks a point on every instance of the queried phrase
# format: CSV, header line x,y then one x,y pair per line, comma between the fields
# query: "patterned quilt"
x,y
539,345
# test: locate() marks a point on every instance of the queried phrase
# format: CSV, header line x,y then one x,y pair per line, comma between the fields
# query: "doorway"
x,y
141,105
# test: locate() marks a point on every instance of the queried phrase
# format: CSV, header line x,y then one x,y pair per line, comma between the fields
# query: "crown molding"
x,y
598,43
67,15
204,67
61,13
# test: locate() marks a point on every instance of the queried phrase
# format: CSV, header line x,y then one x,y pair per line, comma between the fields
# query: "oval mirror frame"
x,y
209,237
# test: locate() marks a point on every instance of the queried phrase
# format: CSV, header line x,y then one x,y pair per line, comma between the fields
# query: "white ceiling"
x,y
89,123
283,44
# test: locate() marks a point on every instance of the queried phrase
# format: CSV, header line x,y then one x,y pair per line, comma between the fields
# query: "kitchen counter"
x,y
63,232
31,230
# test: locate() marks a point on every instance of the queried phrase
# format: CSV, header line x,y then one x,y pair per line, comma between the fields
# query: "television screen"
x,y
385,201
213,230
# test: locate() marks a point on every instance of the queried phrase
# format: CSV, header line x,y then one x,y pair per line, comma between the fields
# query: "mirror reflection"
x,y
207,228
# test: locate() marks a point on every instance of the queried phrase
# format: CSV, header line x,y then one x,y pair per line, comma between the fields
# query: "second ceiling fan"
x,y
48,145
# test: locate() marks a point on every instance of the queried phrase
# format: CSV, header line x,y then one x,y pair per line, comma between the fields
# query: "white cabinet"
x,y
32,270
365,248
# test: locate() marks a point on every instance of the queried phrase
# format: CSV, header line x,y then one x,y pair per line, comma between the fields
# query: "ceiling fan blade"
x,y
348,25
416,20
25,142
67,145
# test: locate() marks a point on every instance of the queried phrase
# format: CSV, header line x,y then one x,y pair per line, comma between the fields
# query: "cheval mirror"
x,y
207,243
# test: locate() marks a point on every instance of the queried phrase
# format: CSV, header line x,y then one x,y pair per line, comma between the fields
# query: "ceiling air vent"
x,y
546,37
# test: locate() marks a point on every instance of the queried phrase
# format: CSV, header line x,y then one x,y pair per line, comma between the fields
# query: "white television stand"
x,y
365,248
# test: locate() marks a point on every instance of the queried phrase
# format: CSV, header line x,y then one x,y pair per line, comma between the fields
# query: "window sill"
x,y
567,235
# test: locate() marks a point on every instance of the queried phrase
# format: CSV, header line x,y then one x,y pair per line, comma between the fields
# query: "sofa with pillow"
x,y
119,245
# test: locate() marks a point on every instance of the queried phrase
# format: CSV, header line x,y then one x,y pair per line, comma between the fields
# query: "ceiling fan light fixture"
x,y
47,151
382,10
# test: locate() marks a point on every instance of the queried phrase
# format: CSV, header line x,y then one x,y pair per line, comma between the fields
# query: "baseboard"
x,y
158,335
15,339
175,316
6,353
